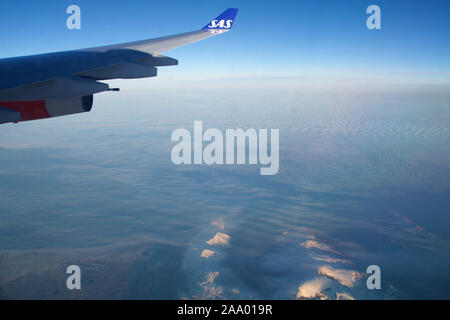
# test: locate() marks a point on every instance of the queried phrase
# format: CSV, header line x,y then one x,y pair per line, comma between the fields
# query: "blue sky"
x,y
269,38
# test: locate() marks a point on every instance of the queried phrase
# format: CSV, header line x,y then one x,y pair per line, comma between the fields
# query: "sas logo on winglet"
x,y
221,24
224,21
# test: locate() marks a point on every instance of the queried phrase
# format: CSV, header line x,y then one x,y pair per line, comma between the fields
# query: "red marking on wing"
x,y
29,110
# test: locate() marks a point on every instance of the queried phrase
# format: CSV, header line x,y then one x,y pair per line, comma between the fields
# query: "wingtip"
x,y
224,21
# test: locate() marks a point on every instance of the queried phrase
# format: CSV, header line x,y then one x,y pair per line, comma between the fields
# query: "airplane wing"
x,y
56,84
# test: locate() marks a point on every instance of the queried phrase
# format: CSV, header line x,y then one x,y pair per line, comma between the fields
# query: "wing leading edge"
x,y
56,84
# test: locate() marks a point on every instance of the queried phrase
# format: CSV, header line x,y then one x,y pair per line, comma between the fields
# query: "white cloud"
x,y
326,258
219,239
345,277
209,289
313,289
318,245
207,253
343,296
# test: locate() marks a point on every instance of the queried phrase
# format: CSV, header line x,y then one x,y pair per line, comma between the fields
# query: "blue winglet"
x,y
224,21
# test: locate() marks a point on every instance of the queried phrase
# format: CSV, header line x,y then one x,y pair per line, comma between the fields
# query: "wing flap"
x,y
125,70
58,88
158,60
